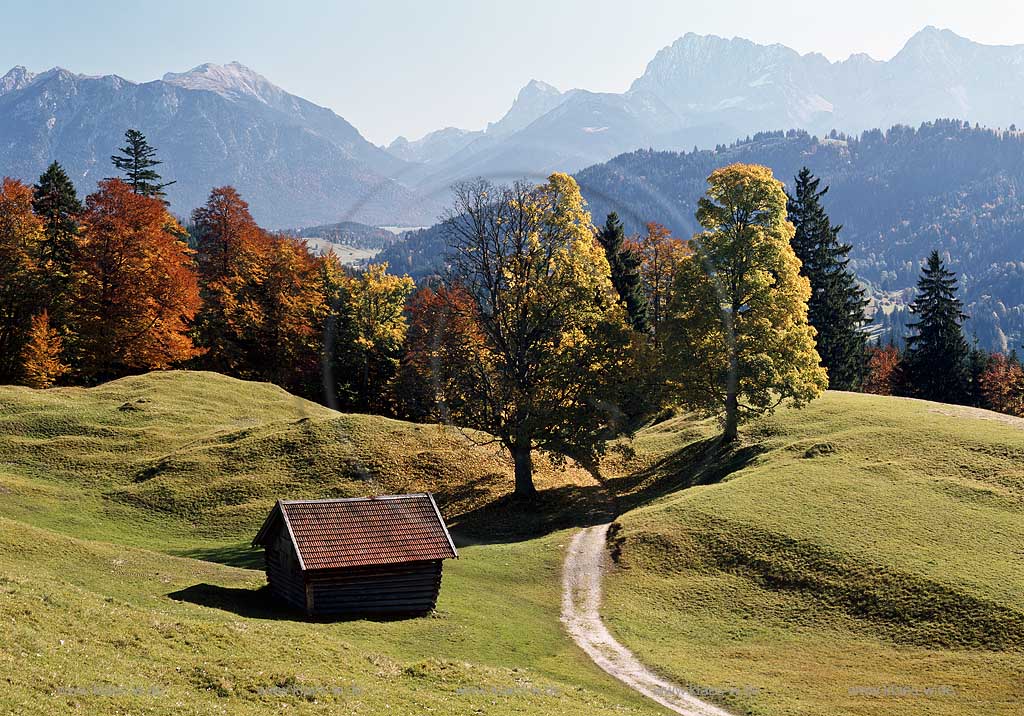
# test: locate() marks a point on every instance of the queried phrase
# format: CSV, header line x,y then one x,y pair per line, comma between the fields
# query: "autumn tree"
x,y
22,280
882,371
42,364
935,364
288,310
264,298
738,327
1002,385
135,161
555,341
444,331
837,303
661,255
625,261
232,256
373,302
138,289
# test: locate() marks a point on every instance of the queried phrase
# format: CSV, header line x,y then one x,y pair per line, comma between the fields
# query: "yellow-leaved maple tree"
x,y
739,332
555,343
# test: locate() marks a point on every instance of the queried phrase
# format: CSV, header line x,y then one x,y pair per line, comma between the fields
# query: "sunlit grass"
x,y
864,557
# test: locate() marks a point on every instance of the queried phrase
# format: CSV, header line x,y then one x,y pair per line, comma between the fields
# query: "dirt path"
x,y
585,562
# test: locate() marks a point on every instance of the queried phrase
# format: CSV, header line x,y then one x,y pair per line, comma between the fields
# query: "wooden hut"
x,y
356,556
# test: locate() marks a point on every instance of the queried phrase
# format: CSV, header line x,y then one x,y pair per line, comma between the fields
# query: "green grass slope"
x,y
102,492
183,459
862,556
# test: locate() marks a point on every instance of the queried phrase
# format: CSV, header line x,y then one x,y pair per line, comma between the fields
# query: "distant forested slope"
x,y
348,233
899,194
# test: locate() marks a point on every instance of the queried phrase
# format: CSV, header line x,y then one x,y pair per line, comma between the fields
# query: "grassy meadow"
x,y
118,502
863,556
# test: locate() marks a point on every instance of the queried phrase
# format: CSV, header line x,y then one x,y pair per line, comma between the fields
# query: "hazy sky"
x,y
392,67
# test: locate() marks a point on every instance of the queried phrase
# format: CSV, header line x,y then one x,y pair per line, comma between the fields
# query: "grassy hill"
x,y
190,459
862,556
103,489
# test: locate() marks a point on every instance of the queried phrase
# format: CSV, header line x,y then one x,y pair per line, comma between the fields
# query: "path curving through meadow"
x,y
584,567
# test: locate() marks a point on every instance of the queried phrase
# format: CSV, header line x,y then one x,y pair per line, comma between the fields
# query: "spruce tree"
x,y
936,365
978,360
837,303
136,161
625,271
55,201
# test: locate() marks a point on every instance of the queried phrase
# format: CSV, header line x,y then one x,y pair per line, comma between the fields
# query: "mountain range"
x,y
706,90
295,162
299,164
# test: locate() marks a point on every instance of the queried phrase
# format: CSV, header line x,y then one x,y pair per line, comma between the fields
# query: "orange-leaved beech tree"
x,y
444,330
289,310
21,275
555,340
231,255
138,290
883,370
263,301
1002,385
660,254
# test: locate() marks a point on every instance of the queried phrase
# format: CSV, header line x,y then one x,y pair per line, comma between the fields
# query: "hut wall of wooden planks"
x,y
357,556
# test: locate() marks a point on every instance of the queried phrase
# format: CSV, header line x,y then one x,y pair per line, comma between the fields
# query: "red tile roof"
x,y
362,531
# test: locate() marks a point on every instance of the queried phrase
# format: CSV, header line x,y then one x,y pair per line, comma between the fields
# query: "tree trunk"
x,y
523,458
732,389
731,417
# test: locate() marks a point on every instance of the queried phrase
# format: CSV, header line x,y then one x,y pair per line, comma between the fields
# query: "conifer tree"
x,y
837,303
136,161
625,262
977,362
55,201
936,363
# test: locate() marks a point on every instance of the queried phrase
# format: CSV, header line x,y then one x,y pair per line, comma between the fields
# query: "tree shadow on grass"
x,y
514,519
236,555
263,604
703,462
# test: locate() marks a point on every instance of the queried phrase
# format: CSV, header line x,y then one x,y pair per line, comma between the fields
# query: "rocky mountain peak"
x,y
17,78
231,80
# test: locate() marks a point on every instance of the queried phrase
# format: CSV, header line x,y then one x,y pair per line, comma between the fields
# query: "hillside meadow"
x,y
862,556
104,489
